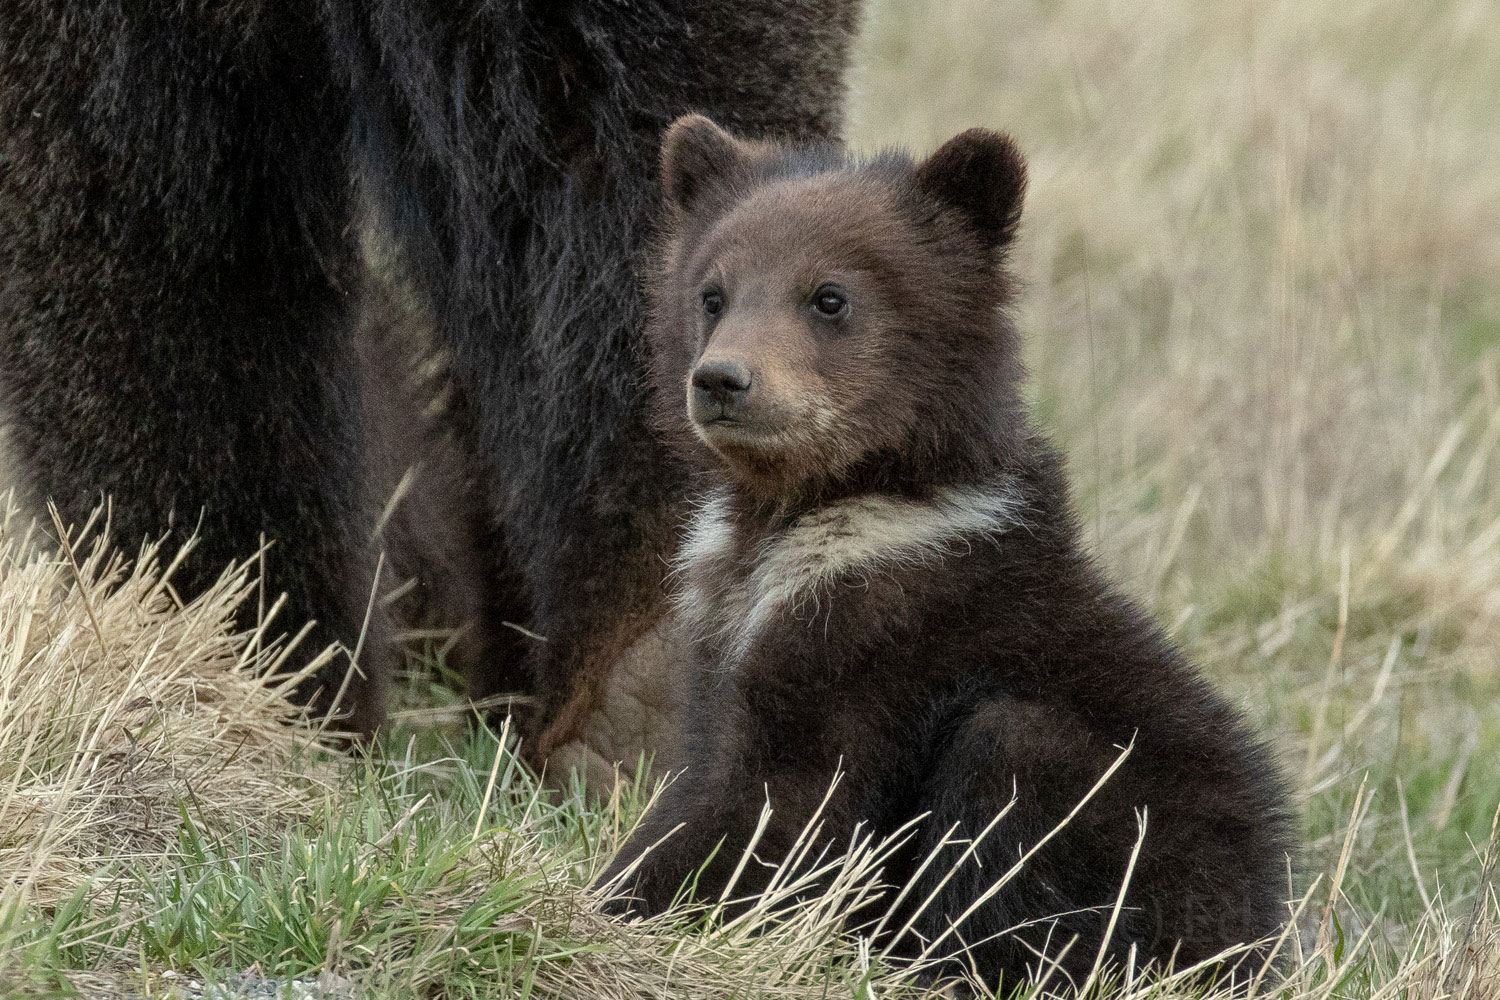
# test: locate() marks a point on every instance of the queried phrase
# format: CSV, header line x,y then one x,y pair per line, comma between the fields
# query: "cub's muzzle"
x,y
720,391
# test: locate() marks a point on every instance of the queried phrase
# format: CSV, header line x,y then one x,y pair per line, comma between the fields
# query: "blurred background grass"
x,y
1261,267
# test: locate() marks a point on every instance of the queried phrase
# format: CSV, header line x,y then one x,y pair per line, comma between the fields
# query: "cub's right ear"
x,y
695,155
983,175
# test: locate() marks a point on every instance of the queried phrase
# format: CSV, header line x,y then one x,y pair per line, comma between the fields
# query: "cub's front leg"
x,y
687,846
691,842
774,732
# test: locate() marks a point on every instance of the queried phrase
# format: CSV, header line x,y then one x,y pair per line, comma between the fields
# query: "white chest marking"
x,y
730,596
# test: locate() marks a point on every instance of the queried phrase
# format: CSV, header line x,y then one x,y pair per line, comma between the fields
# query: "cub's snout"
x,y
720,392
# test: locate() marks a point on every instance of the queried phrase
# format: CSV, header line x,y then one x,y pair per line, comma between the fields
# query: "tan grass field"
x,y
1262,255
1261,266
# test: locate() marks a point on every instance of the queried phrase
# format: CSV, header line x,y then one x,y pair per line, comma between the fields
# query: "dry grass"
x,y
125,714
1261,248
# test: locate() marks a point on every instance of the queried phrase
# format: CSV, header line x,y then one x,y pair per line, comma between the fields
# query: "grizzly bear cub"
x,y
885,581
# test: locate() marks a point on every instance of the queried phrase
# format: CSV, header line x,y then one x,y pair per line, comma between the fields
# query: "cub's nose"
x,y
726,383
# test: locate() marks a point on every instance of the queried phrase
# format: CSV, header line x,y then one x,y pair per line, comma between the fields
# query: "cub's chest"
x,y
737,578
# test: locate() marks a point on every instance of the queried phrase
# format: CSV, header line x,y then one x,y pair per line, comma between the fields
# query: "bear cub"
x,y
885,580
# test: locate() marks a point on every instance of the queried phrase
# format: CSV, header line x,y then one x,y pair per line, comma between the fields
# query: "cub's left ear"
x,y
982,175
696,155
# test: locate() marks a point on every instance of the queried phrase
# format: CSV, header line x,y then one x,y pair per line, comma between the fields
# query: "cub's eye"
x,y
713,302
830,302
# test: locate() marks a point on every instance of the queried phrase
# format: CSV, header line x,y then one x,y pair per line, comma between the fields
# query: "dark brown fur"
x,y
446,572
993,663
179,272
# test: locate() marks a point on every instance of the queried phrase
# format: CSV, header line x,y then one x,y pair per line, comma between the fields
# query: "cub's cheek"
x,y
690,406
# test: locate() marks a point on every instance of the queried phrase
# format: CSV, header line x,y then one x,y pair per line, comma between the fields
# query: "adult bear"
x,y
181,191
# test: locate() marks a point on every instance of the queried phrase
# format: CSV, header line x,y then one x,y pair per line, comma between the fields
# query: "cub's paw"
x,y
639,895
623,905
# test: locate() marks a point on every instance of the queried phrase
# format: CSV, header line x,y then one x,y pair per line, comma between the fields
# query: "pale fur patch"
x,y
853,537
709,540
709,533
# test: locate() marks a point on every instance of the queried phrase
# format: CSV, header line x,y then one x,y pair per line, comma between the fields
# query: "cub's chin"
x,y
736,433
772,461
751,450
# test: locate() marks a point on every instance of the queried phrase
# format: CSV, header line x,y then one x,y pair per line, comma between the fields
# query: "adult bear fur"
x,y
175,269
178,267
448,579
564,195
885,580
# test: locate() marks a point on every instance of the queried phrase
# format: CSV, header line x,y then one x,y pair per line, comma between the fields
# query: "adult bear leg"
x,y
450,579
174,260
513,149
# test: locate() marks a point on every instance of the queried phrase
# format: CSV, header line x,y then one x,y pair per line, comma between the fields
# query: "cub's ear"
x,y
695,153
982,175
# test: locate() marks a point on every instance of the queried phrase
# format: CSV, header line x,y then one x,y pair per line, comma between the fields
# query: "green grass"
x,y
419,877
